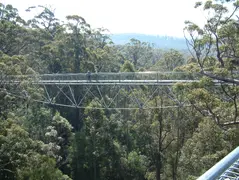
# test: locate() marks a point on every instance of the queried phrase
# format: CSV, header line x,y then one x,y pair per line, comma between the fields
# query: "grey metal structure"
x,y
74,90
226,169
123,78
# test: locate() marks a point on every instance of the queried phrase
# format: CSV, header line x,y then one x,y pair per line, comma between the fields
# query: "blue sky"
x,y
158,17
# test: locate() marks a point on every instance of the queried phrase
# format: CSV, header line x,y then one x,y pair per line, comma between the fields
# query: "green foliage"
x,y
127,67
139,53
170,60
58,137
22,157
171,141
135,165
206,147
41,167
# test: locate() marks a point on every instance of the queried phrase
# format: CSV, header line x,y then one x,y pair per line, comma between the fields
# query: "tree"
x,y
79,31
139,53
93,150
45,21
169,61
215,45
58,137
206,147
189,128
102,54
13,37
22,156
127,67
44,30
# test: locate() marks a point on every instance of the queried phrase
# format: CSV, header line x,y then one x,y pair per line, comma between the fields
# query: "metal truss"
x,y
108,96
110,90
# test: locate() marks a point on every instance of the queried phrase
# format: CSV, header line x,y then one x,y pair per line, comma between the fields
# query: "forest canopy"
x,y
191,127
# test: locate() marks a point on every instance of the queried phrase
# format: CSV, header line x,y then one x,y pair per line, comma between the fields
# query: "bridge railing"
x,y
123,76
118,76
227,168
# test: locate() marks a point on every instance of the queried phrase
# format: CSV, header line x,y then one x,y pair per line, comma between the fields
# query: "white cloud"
x,y
163,17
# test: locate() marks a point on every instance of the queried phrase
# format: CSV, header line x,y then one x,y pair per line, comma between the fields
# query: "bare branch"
x,y
230,123
167,145
236,8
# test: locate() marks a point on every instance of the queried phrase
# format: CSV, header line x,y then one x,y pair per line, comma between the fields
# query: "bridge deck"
x,y
111,82
122,78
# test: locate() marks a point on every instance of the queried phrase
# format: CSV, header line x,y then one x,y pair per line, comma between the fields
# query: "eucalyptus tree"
x,y
215,46
103,56
13,36
214,51
44,21
21,156
25,153
78,32
94,151
204,149
44,28
139,53
169,60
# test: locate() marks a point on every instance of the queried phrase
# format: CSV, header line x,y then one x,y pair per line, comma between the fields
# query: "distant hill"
x,y
164,42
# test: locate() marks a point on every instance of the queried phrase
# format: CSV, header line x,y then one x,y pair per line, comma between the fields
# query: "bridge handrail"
x,y
119,75
146,75
219,168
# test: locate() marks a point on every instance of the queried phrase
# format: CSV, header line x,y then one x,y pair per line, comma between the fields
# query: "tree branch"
x,y
220,78
230,123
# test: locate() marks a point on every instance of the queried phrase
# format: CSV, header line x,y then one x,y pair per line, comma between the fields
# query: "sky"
x,y
155,17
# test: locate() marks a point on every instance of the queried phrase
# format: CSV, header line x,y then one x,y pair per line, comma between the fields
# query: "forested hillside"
x,y
48,142
163,42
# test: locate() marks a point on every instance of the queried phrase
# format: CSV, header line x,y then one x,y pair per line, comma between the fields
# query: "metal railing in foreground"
x,y
226,169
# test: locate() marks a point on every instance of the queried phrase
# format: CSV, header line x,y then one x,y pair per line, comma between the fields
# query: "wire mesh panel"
x,y
231,173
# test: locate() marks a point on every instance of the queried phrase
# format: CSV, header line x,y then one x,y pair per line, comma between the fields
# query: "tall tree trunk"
x,y
158,168
159,158
77,59
175,162
135,59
